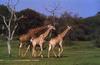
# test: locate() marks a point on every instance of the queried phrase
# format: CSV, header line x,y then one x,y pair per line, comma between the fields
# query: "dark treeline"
x,y
83,28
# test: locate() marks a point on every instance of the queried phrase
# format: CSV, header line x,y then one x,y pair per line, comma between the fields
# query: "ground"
x,y
82,54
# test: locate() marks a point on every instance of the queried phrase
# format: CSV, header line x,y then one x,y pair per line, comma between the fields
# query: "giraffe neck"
x,y
40,28
45,34
63,33
32,32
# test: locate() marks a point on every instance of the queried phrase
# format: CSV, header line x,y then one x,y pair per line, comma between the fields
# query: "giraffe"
x,y
26,37
40,40
57,41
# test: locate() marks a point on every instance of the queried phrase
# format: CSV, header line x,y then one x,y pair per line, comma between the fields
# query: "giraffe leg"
x,y
60,49
49,49
33,52
54,51
40,54
26,50
33,49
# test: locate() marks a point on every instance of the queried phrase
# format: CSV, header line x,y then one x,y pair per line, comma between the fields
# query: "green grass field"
x,y
83,53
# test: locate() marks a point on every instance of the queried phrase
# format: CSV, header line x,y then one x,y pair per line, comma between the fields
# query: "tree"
x,y
10,22
53,12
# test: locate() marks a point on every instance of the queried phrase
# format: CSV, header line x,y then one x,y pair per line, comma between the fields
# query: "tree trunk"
x,y
9,47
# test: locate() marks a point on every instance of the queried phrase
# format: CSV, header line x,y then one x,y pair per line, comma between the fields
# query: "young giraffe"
x,y
26,37
57,41
40,40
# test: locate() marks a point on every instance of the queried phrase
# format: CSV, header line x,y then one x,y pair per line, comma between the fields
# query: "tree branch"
x,y
11,17
52,11
4,20
13,31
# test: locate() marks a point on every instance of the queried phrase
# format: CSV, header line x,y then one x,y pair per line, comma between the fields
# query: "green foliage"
x,y
4,10
88,29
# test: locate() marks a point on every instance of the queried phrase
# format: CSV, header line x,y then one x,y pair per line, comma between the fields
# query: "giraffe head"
x,y
51,27
69,27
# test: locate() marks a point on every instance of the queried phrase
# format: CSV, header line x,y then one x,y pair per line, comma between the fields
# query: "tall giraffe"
x,y
57,41
26,37
40,40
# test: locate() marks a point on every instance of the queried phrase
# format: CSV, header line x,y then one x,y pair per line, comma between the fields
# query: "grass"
x,y
83,53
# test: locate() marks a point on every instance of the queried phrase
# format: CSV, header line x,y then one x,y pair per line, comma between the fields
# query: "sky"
x,y
83,8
